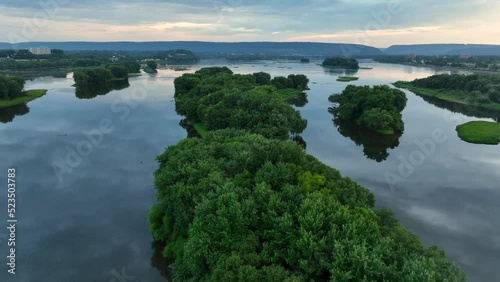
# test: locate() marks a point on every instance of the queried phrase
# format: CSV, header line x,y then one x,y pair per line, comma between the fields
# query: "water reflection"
x,y
299,101
375,145
340,72
97,90
191,131
8,114
159,262
468,110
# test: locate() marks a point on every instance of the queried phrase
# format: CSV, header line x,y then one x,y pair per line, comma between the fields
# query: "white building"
x,y
40,51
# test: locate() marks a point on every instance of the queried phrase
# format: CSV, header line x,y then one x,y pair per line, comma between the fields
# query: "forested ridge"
x,y
244,203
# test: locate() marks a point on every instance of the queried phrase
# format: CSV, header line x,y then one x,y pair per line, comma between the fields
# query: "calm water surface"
x,y
89,223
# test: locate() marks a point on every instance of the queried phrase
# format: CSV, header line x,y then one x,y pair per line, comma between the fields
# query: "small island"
x,y
347,78
479,91
341,63
377,108
480,132
12,92
151,67
214,98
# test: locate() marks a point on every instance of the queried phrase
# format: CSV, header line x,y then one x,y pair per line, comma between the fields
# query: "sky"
x,y
378,23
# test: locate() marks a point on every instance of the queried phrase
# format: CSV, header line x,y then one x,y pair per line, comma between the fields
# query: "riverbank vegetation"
x,y
337,62
178,57
480,132
475,90
12,92
483,63
377,108
215,98
234,206
347,78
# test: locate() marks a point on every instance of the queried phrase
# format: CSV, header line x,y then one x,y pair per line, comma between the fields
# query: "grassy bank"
x,y
447,95
480,132
347,78
286,94
32,95
201,128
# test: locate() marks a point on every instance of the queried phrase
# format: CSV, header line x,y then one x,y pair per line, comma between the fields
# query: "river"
x,y
85,173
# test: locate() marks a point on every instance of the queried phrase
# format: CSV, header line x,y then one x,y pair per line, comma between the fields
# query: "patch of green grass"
x,y
347,78
447,95
365,68
480,132
32,95
286,94
385,131
201,128
181,69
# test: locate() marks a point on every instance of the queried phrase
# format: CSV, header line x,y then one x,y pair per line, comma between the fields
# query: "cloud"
x,y
233,20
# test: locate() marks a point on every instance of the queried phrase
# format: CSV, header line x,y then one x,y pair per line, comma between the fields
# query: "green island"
x,y
151,67
347,78
337,62
215,98
377,108
12,92
480,132
480,91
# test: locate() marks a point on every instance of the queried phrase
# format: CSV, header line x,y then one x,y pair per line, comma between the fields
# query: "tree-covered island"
x,y
341,63
215,98
377,108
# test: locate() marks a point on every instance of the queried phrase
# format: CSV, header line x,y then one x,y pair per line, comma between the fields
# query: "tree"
x,y
118,71
152,65
262,78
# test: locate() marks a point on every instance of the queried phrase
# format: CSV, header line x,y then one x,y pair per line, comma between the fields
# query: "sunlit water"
x,y
89,221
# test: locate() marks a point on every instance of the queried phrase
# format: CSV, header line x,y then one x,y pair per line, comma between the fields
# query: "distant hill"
x,y
443,49
281,48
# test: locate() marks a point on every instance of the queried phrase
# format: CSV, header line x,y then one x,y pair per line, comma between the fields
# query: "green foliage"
x,y
11,87
29,96
218,99
480,132
337,62
234,206
118,71
472,89
178,57
152,65
262,78
378,108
